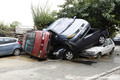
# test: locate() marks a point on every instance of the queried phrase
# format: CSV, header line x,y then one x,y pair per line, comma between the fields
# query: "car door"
x,y
110,46
105,47
8,46
1,47
91,39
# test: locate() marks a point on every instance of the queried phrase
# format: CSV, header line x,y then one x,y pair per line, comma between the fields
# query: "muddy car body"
x,y
36,43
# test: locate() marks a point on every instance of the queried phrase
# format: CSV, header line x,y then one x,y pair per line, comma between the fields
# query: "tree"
x,y
42,16
99,13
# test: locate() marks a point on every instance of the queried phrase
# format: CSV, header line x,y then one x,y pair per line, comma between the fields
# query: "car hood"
x,y
95,49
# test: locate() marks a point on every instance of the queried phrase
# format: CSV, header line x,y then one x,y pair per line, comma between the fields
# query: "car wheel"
x,y
16,52
101,39
68,55
31,56
112,51
99,55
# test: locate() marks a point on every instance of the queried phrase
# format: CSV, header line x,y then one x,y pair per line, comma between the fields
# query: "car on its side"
x,y
9,46
37,43
98,51
116,40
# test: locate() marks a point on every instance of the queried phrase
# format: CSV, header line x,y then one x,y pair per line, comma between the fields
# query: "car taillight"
x,y
19,42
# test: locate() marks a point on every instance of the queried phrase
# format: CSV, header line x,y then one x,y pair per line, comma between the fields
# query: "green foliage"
x,y
14,24
100,13
6,30
54,14
42,16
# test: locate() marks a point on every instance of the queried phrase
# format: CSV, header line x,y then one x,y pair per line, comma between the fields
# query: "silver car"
x,y
9,46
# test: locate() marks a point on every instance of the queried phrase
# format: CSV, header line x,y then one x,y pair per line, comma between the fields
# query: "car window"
x,y
13,40
109,42
7,40
83,32
116,38
30,41
90,31
106,43
1,41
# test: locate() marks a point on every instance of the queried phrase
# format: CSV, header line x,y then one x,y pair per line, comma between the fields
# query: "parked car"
x,y
98,51
37,43
2,35
9,46
116,40
75,35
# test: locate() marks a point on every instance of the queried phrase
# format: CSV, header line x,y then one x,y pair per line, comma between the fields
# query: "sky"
x,y
20,10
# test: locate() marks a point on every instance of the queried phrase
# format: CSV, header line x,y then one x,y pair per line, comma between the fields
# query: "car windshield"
x,y
60,25
107,42
30,42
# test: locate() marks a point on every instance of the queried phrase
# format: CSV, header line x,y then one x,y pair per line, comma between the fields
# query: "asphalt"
x,y
24,68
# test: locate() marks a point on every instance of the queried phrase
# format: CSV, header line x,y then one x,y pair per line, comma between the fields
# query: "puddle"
x,y
86,62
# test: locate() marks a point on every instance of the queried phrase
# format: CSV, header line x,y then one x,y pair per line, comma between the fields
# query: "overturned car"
x,y
71,36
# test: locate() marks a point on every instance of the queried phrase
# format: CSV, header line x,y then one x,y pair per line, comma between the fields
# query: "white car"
x,y
98,51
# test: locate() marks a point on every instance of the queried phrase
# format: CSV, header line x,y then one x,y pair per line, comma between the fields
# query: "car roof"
x,y
8,37
108,39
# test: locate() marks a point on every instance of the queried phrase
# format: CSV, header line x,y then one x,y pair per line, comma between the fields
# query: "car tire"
x,y
31,56
99,55
101,39
16,52
68,55
112,51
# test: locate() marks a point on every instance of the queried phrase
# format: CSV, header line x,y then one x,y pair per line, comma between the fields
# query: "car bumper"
x,y
88,55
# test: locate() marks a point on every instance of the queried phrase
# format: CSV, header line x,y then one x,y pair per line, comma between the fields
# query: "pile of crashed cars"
x,y
68,38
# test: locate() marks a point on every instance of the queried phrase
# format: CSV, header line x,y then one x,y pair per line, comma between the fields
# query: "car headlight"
x,y
70,36
90,52
55,53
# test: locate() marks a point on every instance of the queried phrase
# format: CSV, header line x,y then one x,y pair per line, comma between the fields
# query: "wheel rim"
x,y
16,52
69,55
101,39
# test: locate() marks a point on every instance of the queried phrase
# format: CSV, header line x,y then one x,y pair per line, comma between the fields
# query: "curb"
x,y
103,74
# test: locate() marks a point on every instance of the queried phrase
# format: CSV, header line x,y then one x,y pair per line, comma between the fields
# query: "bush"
x,y
42,16
7,30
